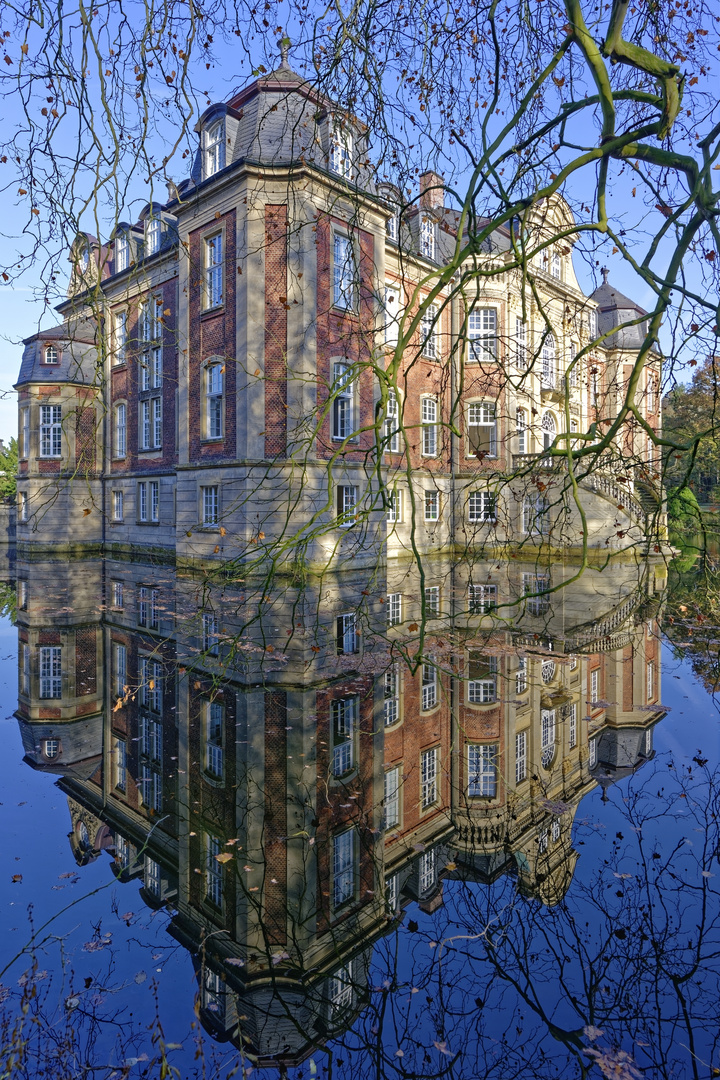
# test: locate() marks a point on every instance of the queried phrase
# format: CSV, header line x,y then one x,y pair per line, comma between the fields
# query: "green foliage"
x,y
684,510
691,417
8,470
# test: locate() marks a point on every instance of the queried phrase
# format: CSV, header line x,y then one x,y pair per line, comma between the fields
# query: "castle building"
x,y
278,362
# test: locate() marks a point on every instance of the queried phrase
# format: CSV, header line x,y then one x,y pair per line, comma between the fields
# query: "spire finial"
x,y
284,49
604,271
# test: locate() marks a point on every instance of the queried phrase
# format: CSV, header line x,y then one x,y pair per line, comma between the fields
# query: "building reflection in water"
x,y
285,775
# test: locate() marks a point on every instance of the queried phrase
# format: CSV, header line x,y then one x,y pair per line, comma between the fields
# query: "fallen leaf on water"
x,y
16,878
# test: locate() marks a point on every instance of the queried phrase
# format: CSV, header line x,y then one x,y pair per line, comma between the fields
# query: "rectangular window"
x,y
535,516
572,365
481,506
572,727
343,413
427,875
592,323
520,343
348,639
22,594
148,608
520,756
594,692
427,238
145,427
142,501
119,669
50,431
391,893
24,428
344,273
341,151
157,422
391,430
428,698
592,753
428,777
50,672
482,334
120,431
535,588
482,599
152,236
25,670
521,674
347,497
214,156
482,430
521,431
119,337
210,505
394,609
344,722
394,506
432,601
211,641
556,265
118,594
650,681
429,417
482,678
542,841
482,771
432,505
213,870
428,332
154,491
22,502
392,313
343,884
214,391
341,992
547,729
150,678
391,689
120,764
214,271
118,505
214,728
150,739
122,253
152,877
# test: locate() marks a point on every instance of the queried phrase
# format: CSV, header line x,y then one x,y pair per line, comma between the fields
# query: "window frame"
x,y
214,730
51,355
214,147
120,431
118,504
428,238
214,412
50,683
482,770
347,499
344,401
482,416
482,507
392,693
344,726
340,150
483,339
429,787
24,433
51,432
152,235
429,426
521,742
210,506
344,869
119,337
345,279
213,296
429,331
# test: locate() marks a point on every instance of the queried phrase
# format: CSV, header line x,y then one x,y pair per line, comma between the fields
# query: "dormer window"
x,y
427,238
122,253
392,227
51,355
83,258
341,152
152,235
214,150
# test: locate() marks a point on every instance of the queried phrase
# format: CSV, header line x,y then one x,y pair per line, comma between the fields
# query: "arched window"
x,y
214,401
547,374
51,355
549,430
214,154
51,748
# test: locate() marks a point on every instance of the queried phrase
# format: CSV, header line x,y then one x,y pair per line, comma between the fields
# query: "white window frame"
x,y
24,432
118,595
521,675
51,355
594,686
343,405
23,506
343,868
482,507
650,680
215,740
535,516
394,498
572,726
521,431
548,362
213,148
391,695
429,344
427,872
432,505
119,668
122,252
520,343
391,429
213,871
429,687
432,601
153,235
118,506
520,756
120,320
483,691
482,770
344,720
346,635
483,335
214,283
50,431
210,503
427,238
344,272
120,430
482,599
556,266
429,778
536,583
429,425
210,634
214,401
50,671
347,501
391,328
341,149
482,417
393,609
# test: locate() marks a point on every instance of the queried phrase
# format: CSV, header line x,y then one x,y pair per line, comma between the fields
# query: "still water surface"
x,y
561,921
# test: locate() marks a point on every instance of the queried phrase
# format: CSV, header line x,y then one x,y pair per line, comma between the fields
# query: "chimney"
x,y
431,191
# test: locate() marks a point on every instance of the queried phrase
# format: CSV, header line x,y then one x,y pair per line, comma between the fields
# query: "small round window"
x,y
51,355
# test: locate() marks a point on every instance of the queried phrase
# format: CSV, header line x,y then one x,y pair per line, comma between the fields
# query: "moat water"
x,y
558,930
